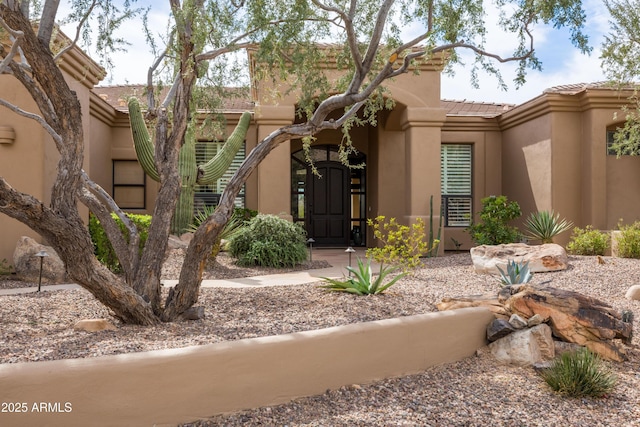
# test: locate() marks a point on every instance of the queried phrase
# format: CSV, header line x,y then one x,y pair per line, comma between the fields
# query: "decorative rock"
x,y
27,265
488,301
193,313
575,317
565,347
541,258
517,321
499,328
536,319
633,293
176,242
525,347
94,325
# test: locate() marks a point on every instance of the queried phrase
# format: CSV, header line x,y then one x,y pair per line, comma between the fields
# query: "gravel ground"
x,y
473,392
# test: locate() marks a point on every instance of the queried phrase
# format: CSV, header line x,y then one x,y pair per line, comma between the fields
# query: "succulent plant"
x,y
191,174
516,273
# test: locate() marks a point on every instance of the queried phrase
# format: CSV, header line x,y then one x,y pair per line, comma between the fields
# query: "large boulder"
x,y
541,258
27,265
574,317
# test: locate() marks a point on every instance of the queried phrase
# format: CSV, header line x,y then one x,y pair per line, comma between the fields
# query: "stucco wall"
x,y
171,386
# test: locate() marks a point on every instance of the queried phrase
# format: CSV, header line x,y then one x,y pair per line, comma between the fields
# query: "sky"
x,y
562,63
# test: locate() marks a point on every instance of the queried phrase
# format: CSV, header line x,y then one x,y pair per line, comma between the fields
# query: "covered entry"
x,y
330,204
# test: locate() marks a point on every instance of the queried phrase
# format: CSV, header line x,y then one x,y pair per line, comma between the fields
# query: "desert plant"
x,y
191,174
402,245
102,247
588,241
580,373
269,241
361,281
230,229
493,228
629,240
544,225
517,272
5,267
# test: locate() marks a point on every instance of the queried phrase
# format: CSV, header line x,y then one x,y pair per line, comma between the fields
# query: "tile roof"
x,y
117,96
471,108
573,89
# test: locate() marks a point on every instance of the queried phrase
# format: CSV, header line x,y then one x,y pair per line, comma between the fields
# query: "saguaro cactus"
x,y
191,174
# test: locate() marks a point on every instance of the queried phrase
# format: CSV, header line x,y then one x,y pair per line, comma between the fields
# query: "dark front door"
x,y
328,205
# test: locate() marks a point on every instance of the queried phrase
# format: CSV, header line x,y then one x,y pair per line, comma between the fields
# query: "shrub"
x,y
516,273
269,241
629,241
544,225
494,229
580,373
239,219
5,267
102,247
402,245
362,282
588,241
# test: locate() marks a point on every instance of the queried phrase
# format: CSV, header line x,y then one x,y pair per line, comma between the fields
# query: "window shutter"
x,y
456,183
207,150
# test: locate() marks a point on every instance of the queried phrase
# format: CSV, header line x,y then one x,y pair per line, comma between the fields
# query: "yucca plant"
x,y
580,373
516,273
231,228
544,225
362,281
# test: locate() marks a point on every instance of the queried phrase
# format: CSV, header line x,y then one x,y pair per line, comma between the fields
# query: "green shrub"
x,y
580,373
362,282
402,245
102,247
544,225
5,267
269,241
516,273
629,240
493,228
588,241
239,219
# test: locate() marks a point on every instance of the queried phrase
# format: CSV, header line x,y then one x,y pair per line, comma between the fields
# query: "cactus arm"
x,y
188,172
211,171
145,151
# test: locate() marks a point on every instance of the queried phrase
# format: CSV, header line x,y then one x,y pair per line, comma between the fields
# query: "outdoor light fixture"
x,y
350,250
310,241
41,255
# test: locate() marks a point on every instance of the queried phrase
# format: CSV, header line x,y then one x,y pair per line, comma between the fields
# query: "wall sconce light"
x,y
7,135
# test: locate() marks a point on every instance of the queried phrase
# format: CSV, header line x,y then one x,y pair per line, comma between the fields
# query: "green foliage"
x,y
579,374
517,272
588,241
361,281
5,267
493,228
544,225
402,245
269,241
629,240
102,247
238,219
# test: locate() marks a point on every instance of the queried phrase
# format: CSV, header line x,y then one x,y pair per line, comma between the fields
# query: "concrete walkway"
x,y
337,258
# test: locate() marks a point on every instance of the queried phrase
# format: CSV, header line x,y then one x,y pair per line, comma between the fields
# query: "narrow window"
x,y
129,184
456,184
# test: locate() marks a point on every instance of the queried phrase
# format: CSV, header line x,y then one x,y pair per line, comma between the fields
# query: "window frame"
x,y
447,199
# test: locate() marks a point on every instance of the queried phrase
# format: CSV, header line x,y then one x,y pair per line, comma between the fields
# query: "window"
x,y
456,184
129,184
209,195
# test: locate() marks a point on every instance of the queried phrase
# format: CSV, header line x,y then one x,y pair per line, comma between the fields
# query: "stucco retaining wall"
x,y
166,387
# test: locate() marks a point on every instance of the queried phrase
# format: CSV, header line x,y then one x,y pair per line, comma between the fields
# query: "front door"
x,y
328,205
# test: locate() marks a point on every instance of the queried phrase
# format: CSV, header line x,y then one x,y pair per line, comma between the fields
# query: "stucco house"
x,y
548,153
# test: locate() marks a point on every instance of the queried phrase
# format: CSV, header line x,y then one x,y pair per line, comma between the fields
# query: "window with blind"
x,y
209,195
456,184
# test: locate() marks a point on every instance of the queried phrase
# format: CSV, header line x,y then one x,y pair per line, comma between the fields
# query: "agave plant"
x,y
361,281
231,228
516,273
544,225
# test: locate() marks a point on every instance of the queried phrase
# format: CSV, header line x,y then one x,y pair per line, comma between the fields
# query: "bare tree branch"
x,y
41,121
47,21
78,31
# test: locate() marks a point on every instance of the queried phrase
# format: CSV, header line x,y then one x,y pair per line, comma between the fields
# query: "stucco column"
x,y
274,172
422,133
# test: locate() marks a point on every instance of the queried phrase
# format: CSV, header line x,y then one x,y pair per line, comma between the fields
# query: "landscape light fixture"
x,y
42,254
310,241
350,250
